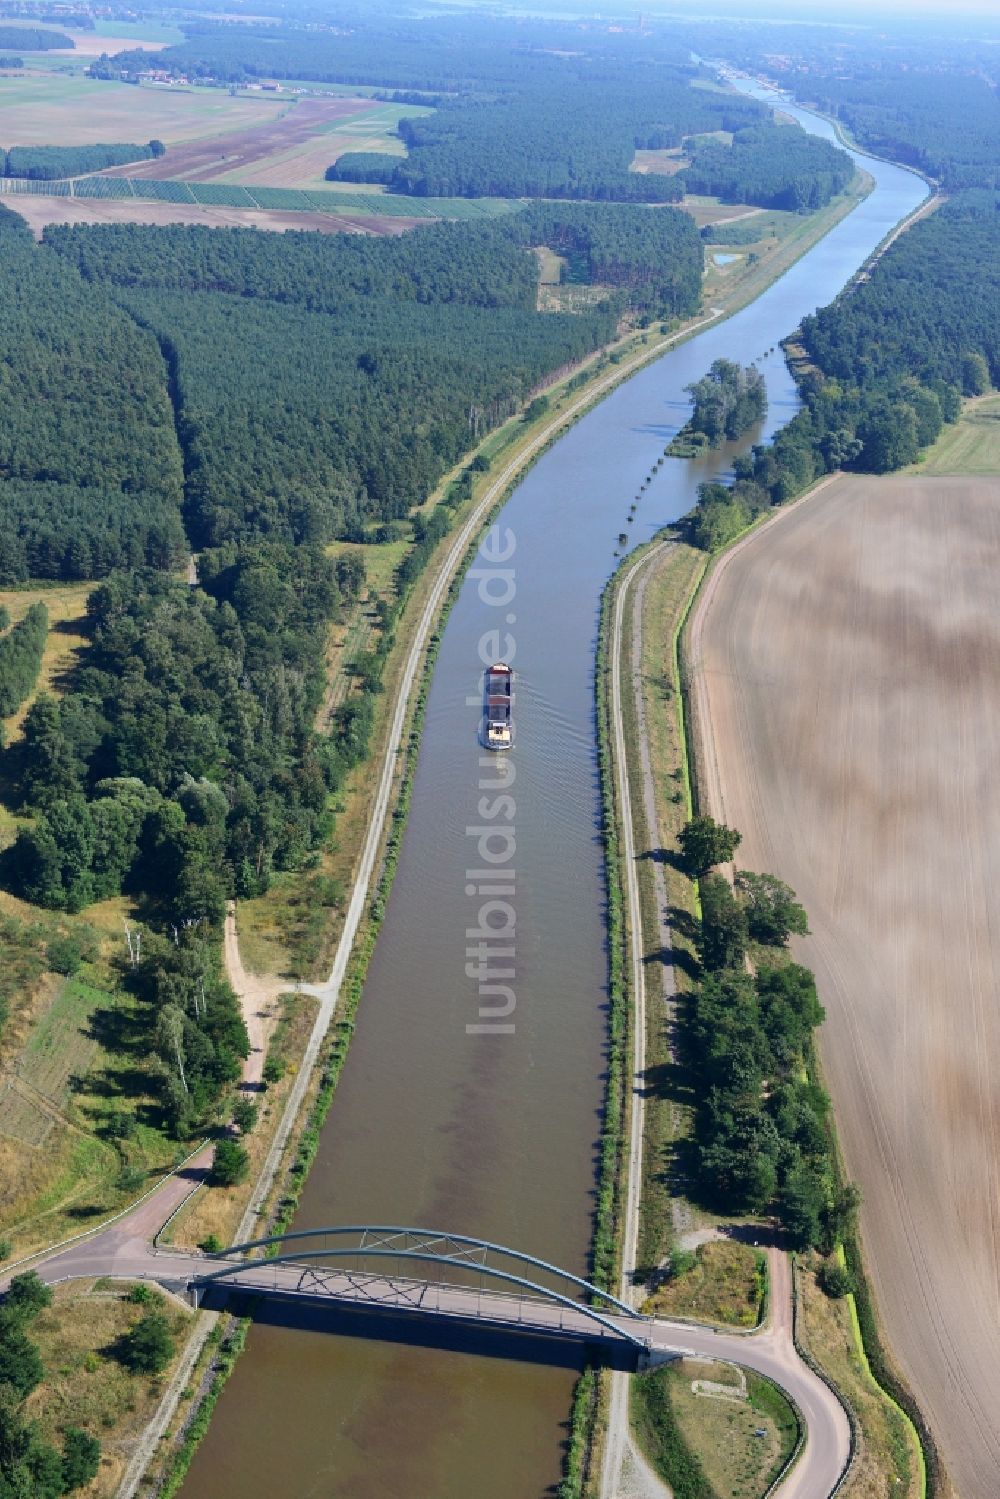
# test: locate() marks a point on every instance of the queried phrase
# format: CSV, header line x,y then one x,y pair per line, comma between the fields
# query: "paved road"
x,y
124,1252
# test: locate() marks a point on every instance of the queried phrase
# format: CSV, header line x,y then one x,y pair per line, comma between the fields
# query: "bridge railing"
x,y
405,1247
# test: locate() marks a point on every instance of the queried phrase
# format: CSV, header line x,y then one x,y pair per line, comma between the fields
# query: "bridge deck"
x,y
395,1293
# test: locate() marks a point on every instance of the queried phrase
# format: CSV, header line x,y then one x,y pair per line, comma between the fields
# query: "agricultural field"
x,y
266,152
367,126
971,446
114,37
847,688
51,109
39,211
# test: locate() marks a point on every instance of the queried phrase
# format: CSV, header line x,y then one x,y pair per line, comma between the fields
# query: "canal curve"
x,y
487,1123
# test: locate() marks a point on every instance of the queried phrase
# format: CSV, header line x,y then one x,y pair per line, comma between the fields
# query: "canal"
x,y
487,1124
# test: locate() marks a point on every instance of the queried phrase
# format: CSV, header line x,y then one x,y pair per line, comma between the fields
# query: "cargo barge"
x,y
498,705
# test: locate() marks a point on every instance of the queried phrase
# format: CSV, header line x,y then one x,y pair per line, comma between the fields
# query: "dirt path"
x,y
847,676
258,997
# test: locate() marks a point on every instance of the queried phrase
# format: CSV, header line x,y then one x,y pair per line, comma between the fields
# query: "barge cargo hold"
x,y
498,704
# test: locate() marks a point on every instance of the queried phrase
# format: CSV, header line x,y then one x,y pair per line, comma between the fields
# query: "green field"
x,y
59,110
971,446
139,31
295,200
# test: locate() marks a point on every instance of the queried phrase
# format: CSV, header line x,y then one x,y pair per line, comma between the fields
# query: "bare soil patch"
x,y
42,211
848,673
204,160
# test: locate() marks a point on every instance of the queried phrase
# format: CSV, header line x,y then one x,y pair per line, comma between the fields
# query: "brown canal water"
x,y
494,1133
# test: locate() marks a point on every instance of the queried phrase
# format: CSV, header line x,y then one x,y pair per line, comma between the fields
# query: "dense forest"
x,y
61,531
774,166
21,658
516,146
436,332
889,362
25,39
83,392
948,126
47,163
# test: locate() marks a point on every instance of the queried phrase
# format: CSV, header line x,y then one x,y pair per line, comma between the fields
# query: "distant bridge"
x,y
374,1268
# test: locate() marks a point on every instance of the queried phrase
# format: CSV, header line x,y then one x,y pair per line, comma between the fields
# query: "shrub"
x,y
149,1347
231,1164
835,1279
81,1459
244,1114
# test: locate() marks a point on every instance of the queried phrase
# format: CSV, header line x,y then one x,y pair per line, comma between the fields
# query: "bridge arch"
x,y
376,1243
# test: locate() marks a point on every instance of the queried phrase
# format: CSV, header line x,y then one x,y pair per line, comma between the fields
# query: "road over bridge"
x,y
366,1270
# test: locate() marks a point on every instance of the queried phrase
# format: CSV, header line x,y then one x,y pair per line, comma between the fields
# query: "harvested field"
x,y
41,211
94,44
50,109
713,211
846,669
239,150
663,163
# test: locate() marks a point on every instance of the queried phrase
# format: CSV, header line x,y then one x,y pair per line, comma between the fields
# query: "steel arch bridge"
x,y
376,1265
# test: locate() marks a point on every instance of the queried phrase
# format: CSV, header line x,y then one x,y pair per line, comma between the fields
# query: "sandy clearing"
x,y
41,211
849,669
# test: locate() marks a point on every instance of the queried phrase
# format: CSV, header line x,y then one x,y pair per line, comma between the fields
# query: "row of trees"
x,y
21,650
890,362
48,163
30,1465
763,1135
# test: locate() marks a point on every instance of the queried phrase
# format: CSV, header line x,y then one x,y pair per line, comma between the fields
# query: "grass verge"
x,y
713,1431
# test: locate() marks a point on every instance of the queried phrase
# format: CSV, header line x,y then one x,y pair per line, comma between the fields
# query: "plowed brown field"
x,y
41,211
217,156
847,675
